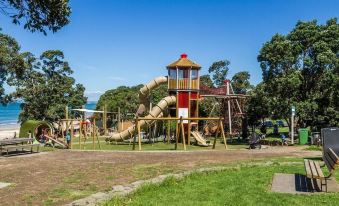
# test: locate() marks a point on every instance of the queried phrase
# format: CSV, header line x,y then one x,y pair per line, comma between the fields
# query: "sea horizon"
x,y
9,114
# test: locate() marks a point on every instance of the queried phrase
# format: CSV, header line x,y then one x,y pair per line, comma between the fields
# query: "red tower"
x,y
183,82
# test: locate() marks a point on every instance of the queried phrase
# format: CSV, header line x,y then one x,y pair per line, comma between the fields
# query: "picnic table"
x,y
17,145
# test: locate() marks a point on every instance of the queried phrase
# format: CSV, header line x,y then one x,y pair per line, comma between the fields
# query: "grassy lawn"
x,y
242,184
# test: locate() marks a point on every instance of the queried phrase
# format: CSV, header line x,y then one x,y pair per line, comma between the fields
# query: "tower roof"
x,y
184,62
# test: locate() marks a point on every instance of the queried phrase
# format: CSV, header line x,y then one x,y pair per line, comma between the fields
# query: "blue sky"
x,y
113,43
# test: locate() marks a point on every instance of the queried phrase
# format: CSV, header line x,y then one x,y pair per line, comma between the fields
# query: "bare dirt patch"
x,y
56,178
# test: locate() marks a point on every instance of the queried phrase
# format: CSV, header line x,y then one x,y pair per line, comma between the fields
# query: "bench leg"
x,y
323,184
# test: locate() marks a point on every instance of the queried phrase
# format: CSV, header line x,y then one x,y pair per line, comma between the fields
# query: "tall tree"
x,y
241,82
46,87
301,69
37,15
11,63
219,71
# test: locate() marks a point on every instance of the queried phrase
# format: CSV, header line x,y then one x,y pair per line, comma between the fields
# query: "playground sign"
x,y
183,112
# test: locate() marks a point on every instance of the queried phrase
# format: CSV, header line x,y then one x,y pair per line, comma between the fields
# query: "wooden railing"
x,y
183,84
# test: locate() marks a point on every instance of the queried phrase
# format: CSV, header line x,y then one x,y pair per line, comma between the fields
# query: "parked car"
x,y
280,123
268,123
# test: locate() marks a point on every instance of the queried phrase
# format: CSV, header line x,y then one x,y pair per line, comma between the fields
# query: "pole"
x,y
229,106
168,131
93,133
80,131
223,133
139,134
72,134
105,118
292,129
216,135
176,135
182,133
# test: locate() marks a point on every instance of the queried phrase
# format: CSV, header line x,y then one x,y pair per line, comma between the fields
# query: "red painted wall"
x,y
183,99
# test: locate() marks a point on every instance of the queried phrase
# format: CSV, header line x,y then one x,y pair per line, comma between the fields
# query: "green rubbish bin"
x,y
303,136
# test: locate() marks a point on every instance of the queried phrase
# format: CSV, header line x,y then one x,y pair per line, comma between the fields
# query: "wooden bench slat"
x,y
313,169
307,168
18,146
320,172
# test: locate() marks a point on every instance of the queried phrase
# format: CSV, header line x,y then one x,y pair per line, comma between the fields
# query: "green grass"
x,y
244,184
313,148
270,130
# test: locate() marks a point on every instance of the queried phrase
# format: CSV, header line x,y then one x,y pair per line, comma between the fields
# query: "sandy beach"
x,y
8,131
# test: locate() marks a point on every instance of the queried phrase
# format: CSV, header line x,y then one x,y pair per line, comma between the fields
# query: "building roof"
x,y
184,62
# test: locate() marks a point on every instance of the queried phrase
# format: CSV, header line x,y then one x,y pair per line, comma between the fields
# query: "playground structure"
x,y
232,105
181,106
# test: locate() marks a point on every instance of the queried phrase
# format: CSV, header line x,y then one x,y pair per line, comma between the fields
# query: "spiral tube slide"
x,y
145,91
155,112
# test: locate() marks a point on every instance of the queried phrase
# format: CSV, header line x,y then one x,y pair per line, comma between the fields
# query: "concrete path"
x,y
299,184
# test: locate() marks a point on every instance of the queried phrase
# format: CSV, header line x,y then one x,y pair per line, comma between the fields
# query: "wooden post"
x,y
182,133
80,134
139,134
97,136
93,133
189,112
216,135
72,134
134,140
223,133
176,135
168,131
105,118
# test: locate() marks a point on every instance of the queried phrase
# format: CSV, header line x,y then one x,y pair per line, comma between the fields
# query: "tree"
x,y
11,63
206,81
39,15
241,82
301,69
257,107
46,87
219,71
124,97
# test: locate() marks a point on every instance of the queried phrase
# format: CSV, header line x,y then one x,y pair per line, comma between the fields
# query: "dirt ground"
x,y
56,178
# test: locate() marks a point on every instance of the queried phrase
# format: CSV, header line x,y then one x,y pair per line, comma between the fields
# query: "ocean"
x,y
9,114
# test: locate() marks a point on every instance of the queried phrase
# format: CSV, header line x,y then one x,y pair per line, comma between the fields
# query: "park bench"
x,y
18,145
313,169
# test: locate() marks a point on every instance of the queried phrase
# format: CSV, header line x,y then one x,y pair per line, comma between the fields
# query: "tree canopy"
x,y
302,69
11,63
39,15
46,87
241,82
219,71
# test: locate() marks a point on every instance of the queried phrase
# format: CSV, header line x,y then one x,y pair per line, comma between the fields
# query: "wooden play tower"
x,y
183,82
